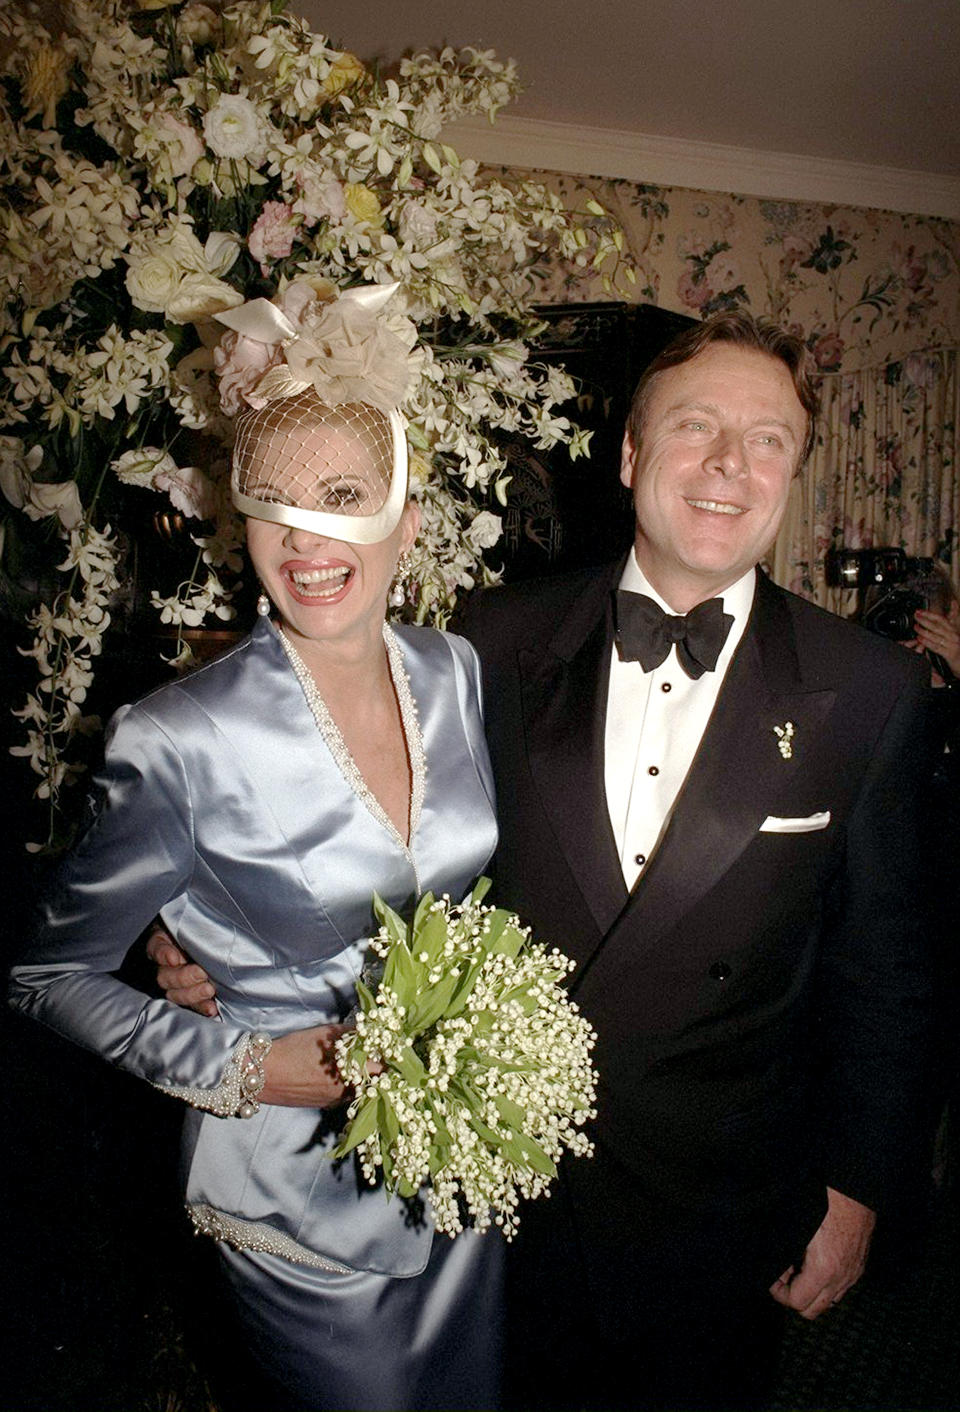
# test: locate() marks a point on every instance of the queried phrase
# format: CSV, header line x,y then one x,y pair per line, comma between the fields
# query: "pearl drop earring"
x,y
398,593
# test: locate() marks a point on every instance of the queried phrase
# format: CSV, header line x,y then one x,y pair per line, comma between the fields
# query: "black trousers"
x,y
652,1320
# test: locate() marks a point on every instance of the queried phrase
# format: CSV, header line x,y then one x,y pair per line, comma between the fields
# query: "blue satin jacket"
x,y
222,807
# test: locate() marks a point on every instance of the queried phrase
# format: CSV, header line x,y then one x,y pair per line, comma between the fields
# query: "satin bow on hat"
x,y
342,347
645,633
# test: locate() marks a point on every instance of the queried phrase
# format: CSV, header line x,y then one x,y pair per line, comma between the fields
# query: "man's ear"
x,y
628,455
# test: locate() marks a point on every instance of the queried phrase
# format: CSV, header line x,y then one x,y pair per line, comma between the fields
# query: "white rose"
x,y
152,279
485,529
233,128
200,296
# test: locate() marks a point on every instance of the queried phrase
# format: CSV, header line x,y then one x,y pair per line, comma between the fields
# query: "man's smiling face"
x,y
722,437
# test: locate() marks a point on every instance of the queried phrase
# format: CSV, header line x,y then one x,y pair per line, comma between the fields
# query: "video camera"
x,y
893,585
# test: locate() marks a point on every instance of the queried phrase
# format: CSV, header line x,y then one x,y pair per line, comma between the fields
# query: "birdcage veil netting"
x,y
335,471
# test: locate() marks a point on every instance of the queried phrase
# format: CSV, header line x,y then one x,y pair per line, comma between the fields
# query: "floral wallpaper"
x,y
876,297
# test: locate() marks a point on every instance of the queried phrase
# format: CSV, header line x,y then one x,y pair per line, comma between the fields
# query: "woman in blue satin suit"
x,y
256,805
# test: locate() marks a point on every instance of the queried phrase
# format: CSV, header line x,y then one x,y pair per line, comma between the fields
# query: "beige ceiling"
x,y
828,80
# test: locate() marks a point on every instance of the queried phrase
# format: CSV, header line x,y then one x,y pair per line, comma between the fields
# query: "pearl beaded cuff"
x,y
237,1094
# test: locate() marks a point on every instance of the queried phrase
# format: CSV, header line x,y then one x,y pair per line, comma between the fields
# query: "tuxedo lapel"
x,y
564,713
738,773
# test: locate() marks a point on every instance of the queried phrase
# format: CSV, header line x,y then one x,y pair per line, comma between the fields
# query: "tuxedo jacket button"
x,y
719,971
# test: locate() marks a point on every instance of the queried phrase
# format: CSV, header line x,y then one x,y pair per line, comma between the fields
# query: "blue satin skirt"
x,y
377,1343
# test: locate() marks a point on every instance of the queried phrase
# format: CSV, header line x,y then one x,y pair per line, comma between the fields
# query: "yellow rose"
x,y
45,82
344,73
362,203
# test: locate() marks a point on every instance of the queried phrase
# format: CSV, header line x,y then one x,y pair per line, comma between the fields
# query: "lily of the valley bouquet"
x,y
484,1070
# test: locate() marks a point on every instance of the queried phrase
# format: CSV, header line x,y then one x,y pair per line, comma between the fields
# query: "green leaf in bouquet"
x,y
520,994
463,1089
395,925
401,974
511,940
411,1067
422,912
510,1112
365,997
482,887
493,928
429,934
359,1129
407,1188
388,1122
506,1066
483,1130
464,988
432,1004
525,1152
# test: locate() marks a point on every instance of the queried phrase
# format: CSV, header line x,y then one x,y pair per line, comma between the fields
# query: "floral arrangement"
x,y
484,1068
163,162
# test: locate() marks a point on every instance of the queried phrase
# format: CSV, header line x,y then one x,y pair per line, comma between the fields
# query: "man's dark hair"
x,y
744,331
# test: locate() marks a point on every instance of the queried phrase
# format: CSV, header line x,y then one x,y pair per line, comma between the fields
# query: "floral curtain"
x,y
876,297
884,472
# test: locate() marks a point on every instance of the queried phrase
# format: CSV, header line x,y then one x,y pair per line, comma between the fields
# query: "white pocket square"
x,y
772,824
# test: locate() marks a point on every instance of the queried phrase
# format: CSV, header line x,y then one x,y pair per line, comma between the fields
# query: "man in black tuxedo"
x,y
716,816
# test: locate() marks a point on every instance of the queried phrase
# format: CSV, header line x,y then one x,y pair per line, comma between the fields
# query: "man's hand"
x,y
180,980
833,1262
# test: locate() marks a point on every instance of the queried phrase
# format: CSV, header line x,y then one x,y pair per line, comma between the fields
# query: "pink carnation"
x,y
272,235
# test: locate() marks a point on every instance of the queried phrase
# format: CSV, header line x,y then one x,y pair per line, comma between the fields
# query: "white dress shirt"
x,y
655,722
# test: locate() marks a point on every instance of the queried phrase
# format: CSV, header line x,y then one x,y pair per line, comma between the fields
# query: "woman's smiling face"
x,y
325,588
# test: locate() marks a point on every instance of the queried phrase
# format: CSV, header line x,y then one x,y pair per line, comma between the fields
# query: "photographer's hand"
x,y
939,635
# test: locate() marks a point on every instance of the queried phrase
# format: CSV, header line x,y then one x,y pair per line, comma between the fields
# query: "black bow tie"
x,y
645,633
